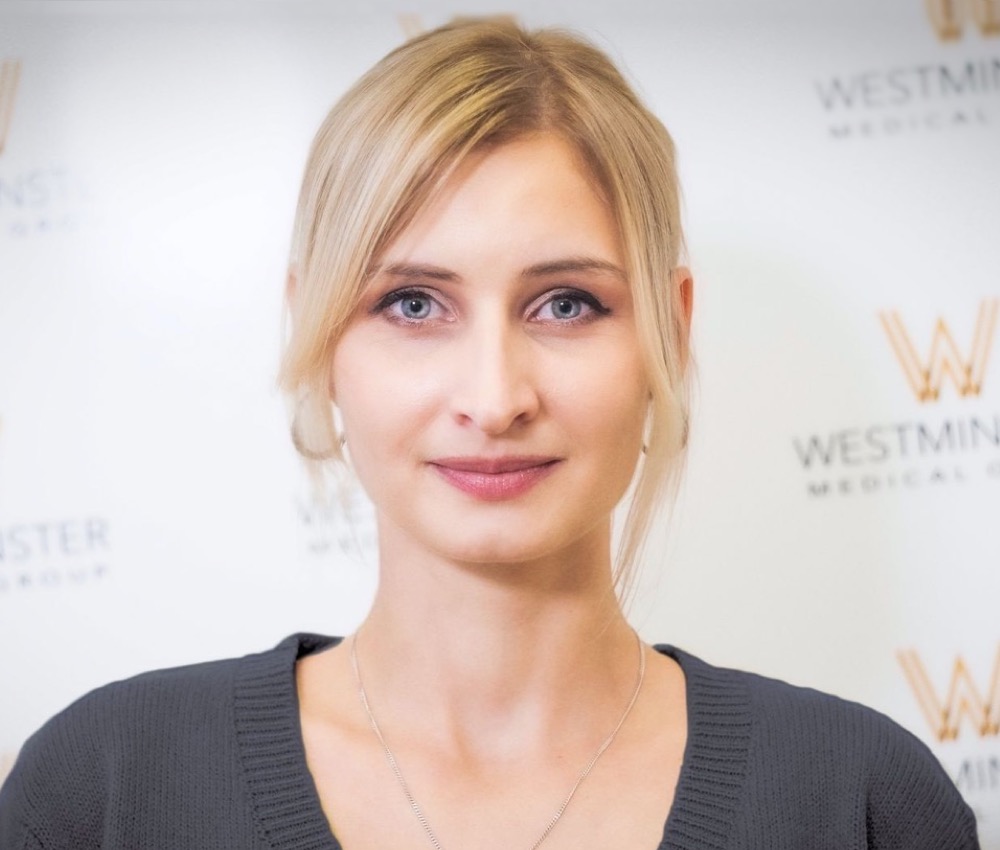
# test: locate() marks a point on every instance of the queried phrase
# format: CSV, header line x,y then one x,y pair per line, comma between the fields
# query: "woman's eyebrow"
x,y
573,264
417,270
544,269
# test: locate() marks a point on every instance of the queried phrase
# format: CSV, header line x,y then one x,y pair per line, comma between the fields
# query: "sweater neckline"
x,y
286,804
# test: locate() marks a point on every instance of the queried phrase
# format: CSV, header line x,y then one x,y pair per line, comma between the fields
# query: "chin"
x,y
498,553
511,543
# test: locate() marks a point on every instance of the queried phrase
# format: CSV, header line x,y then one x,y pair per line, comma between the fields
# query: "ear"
x,y
684,281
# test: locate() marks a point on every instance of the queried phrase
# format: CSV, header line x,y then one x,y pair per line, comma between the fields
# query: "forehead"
x,y
532,197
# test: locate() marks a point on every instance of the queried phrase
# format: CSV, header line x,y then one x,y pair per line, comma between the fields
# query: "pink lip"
x,y
494,479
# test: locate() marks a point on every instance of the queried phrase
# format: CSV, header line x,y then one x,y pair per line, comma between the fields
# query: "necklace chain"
x,y
422,818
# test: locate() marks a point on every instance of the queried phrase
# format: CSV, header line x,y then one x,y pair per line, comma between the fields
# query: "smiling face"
x,y
491,383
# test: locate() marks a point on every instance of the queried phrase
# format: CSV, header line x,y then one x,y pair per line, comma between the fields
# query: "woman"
x,y
490,322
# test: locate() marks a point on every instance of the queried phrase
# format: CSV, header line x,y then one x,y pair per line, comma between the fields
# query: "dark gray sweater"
x,y
210,757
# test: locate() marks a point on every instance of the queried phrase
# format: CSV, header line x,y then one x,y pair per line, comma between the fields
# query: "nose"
x,y
497,386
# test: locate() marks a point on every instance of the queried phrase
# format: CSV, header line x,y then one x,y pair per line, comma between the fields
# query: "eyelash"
x,y
596,307
397,296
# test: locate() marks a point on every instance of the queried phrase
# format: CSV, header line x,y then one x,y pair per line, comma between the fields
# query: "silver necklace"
x,y
562,808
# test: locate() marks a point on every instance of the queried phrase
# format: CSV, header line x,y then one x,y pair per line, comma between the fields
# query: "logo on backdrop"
x,y
964,705
962,709
40,199
343,524
69,552
412,24
952,18
958,446
947,86
926,375
10,76
44,554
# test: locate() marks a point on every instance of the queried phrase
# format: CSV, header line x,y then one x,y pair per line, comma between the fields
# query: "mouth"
x,y
494,479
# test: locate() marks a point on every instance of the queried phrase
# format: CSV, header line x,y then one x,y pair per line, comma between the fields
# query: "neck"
x,y
495,652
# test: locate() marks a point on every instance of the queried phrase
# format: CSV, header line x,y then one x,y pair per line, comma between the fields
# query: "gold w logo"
x,y
10,74
926,376
949,17
963,699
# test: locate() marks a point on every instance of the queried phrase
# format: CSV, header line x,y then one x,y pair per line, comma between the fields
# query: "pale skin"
x,y
495,656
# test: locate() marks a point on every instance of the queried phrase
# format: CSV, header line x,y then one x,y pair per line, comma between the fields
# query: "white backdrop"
x,y
838,527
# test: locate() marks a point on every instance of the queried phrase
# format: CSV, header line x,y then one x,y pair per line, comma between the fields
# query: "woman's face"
x,y
490,384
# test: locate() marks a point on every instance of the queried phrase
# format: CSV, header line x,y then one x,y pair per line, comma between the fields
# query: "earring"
x,y
314,433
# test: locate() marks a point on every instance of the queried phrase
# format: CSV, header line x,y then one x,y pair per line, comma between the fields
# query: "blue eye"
x,y
566,307
571,306
414,306
408,306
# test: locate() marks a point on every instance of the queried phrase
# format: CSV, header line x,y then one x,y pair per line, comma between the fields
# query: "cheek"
x,y
382,401
356,390
369,437
606,397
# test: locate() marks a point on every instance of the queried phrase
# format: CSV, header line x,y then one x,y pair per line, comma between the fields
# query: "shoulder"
x,y
105,719
173,701
143,703
794,719
63,776
819,751
136,732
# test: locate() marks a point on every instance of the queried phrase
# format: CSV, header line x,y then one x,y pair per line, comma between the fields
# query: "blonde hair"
x,y
394,138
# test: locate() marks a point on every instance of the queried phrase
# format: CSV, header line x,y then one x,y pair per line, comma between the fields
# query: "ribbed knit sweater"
x,y
210,757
